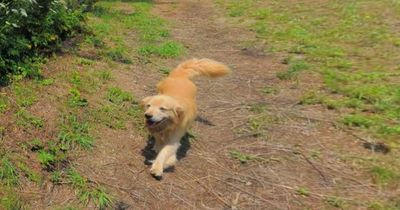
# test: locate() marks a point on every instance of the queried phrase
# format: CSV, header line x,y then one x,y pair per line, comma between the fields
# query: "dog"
x,y
169,114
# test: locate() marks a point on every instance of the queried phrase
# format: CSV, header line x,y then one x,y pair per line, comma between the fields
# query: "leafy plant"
x,y
29,29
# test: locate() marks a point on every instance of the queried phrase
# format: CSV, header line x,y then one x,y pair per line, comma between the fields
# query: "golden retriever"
x,y
169,114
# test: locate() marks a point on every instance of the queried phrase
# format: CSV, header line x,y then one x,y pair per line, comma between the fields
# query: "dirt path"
x,y
293,165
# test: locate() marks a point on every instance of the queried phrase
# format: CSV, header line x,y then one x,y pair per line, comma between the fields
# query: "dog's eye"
x,y
147,105
163,109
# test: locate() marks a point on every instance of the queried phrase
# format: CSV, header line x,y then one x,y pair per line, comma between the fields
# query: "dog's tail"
x,y
200,67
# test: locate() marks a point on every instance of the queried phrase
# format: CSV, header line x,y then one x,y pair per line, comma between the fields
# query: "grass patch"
x,y
75,99
9,175
118,96
358,120
351,44
104,75
242,157
75,132
3,103
303,191
384,176
269,90
294,69
25,119
88,191
152,31
112,116
335,202
10,200
24,94
118,54
29,173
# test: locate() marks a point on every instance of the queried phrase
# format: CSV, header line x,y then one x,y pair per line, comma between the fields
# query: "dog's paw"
x,y
156,171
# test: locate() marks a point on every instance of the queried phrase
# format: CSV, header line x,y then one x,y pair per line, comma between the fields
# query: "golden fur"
x,y
170,113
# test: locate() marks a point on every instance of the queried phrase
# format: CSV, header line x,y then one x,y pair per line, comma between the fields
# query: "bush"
x,y
32,28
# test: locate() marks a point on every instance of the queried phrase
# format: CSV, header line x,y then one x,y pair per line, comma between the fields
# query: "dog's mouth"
x,y
152,124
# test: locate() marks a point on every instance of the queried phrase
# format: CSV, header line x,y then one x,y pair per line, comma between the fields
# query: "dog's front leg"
x,y
165,153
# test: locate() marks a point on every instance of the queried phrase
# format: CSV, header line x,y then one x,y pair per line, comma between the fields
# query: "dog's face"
x,y
160,112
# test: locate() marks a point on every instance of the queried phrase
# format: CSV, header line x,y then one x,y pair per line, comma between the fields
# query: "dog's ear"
x,y
144,101
178,109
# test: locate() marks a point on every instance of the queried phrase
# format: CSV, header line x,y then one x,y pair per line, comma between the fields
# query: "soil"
x,y
302,160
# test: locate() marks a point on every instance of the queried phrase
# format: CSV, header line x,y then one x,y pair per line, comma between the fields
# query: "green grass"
x,y
242,157
9,175
24,94
3,103
10,200
351,44
152,32
84,81
335,202
104,75
25,119
88,191
117,96
384,176
294,69
112,116
75,132
303,191
75,99
29,173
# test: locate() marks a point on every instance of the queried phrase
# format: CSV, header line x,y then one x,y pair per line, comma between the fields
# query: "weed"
x,y
293,70
136,115
164,70
335,202
358,121
8,172
84,81
94,41
243,158
110,115
29,173
384,176
75,132
303,191
75,98
56,177
11,200
118,96
118,54
25,96
75,78
35,144
47,159
3,103
104,75
85,62
25,119
87,192
269,90
46,82
168,49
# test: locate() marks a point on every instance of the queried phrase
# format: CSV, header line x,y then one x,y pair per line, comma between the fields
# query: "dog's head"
x,y
161,112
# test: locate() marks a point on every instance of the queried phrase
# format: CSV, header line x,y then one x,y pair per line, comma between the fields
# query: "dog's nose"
x,y
148,116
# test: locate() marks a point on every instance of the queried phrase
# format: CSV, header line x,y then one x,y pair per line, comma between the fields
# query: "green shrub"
x,y
32,28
